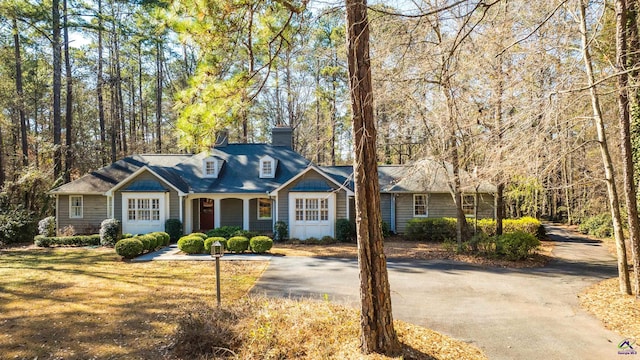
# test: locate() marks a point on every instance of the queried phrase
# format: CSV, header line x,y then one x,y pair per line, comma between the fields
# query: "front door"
x,y
311,215
206,214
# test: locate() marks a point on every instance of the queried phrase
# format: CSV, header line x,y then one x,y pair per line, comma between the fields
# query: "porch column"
x,y
393,214
245,214
216,213
188,210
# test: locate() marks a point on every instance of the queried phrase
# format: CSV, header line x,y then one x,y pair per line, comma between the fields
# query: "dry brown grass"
x,y
86,303
288,329
397,248
618,312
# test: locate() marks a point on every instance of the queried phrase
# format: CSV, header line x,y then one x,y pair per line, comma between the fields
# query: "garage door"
x,y
311,215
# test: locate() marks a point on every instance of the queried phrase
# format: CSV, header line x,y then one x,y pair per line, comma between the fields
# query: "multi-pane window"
x,y
267,168
143,209
75,207
299,209
420,205
210,168
469,204
264,209
312,209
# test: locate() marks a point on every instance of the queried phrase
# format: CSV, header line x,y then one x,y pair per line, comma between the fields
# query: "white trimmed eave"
x,y
135,174
319,171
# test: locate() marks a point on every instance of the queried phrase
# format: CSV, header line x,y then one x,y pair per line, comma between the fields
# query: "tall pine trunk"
x,y
614,206
625,136
376,319
20,94
159,77
99,90
57,85
68,120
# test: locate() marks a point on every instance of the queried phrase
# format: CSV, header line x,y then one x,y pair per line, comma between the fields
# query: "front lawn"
x,y
86,303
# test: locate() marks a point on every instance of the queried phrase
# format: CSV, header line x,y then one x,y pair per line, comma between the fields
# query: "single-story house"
x,y
253,186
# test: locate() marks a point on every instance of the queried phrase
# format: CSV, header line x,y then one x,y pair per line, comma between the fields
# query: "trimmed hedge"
x,y
345,230
224,231
173,227
211,240
431,229
110,232
516,245
260,244
191,244
78,240
47,226
129,248
238,244
203,236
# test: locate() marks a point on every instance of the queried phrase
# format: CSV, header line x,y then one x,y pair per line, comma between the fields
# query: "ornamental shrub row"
x,y
442,229
131,247
78,240
196,244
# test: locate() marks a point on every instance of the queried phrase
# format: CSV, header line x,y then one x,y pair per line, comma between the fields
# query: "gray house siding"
x,y
486,206
283,195
94,211
441,205
404,211
341,205
195,214
174,199
385,207
232,213
262,226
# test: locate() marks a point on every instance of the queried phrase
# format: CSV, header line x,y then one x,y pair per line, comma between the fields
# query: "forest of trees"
x,y
503,83
499,88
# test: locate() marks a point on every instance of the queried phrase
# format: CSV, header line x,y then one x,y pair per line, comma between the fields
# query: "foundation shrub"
x,y
191,244
173,227
209,241
129,248
260,244
238,244
110,232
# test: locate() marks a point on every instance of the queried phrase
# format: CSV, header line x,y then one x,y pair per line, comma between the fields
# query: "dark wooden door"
x,y
206,214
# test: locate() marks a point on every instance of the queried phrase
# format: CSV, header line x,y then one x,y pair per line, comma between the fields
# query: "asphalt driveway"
x,y
510,314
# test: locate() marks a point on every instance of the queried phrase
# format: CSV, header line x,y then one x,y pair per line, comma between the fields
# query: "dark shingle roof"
x,y
240,171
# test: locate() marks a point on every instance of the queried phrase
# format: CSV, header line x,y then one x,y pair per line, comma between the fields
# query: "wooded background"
x,y
498,88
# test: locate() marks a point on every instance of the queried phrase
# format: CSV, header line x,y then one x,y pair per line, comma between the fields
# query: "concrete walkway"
x,y
509,313
172,253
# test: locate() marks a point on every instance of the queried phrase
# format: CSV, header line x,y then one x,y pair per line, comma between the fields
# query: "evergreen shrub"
x,y
238,244
129,248
110,232
260,244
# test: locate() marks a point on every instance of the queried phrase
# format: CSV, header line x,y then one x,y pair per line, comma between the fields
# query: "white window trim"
x,y
71,215
269,159
426,205
216,167
258,209
473,209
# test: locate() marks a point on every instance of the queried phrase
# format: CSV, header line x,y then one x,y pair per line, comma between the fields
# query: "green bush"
x,y
224,231
245,233
17,226
345,230
599,225
173,227
77,240
146,242
47,226
201,235
191,244
516,245
327,240
525,224
129,248
211,240
386,229
281,231
162,238
238,244
110,232
431,229
260,244
126,236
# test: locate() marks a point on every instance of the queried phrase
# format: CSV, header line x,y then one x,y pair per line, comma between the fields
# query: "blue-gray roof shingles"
x,y
239,173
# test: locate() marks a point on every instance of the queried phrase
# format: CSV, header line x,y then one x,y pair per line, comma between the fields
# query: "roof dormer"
x,y
267,167
211,167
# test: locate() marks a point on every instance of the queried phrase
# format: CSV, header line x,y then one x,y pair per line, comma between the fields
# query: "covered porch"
x,y
250,212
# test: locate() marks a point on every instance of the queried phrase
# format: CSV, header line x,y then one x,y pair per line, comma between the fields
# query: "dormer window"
x,y
267,167
210,168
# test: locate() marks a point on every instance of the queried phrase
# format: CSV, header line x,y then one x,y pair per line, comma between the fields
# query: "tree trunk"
x,y
68,119
376,319
99,88
57,84
119,98
3,175
20,94
625,137
158,97
614,206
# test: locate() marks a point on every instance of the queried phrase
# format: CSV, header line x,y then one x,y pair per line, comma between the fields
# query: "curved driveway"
x,y
510,314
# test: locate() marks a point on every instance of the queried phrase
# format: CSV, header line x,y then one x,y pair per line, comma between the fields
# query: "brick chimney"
x,y
222,138
282,136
